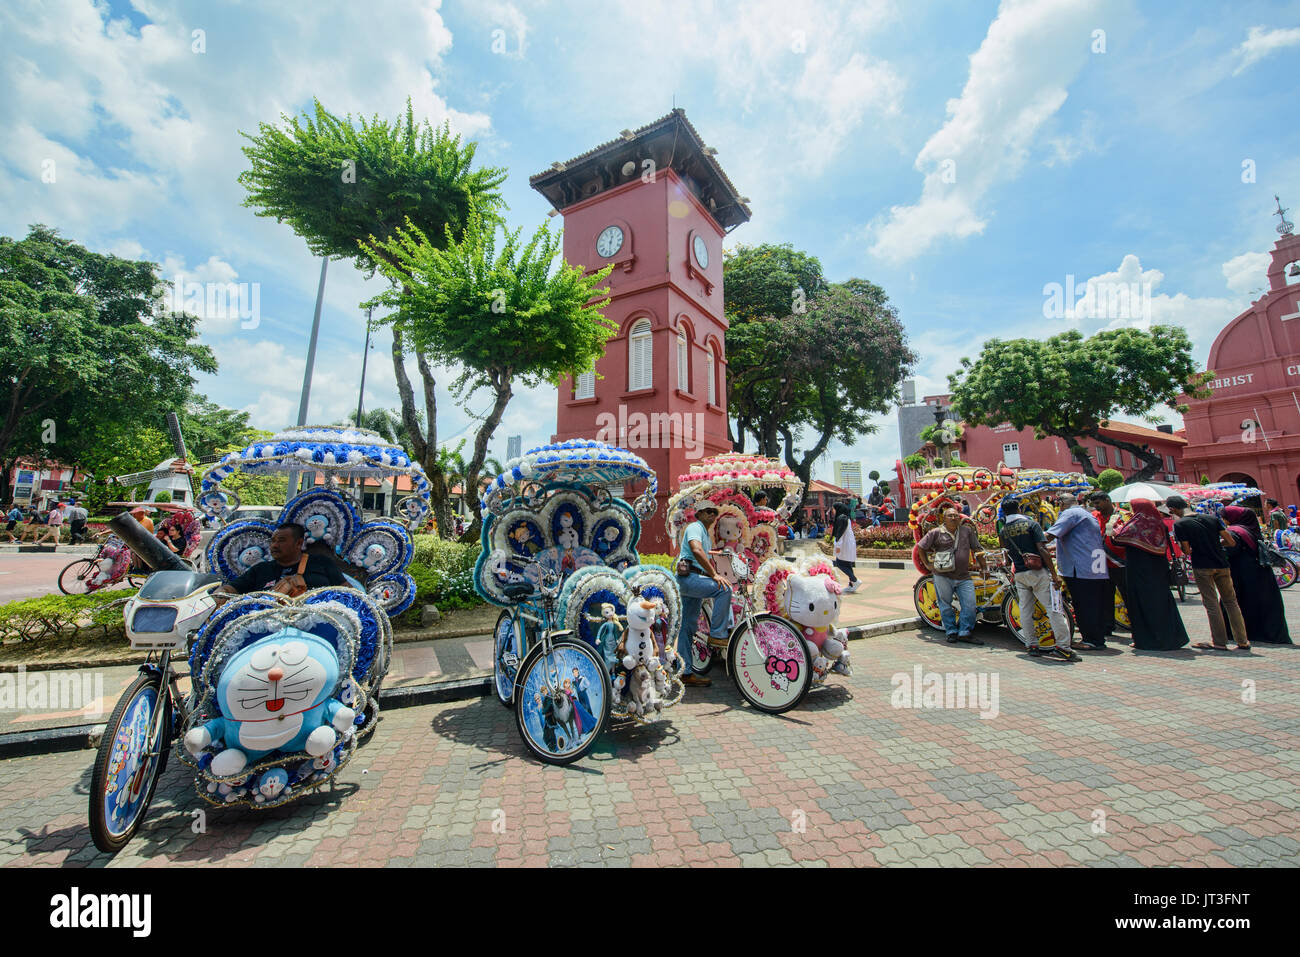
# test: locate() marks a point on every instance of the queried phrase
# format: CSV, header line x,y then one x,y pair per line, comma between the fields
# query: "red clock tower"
x,y
655,204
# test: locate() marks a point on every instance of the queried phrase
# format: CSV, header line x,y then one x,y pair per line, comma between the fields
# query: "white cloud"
x,y
1019,79
1246,272
1260,42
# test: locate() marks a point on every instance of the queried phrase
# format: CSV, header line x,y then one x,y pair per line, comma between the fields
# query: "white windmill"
x,y
171,475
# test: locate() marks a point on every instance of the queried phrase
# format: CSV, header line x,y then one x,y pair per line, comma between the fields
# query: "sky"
x,y
964,156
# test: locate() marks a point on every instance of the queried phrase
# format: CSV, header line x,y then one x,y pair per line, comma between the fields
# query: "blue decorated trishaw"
x,y
282,689
587,633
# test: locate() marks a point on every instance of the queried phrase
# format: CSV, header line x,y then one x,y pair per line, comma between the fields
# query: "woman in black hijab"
x,y
1257,590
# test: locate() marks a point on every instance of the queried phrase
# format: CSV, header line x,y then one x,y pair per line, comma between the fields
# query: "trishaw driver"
x,y
290,570
701,581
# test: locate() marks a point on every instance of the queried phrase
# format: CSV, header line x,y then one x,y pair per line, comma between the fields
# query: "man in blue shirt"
x,y
702,582
1081,558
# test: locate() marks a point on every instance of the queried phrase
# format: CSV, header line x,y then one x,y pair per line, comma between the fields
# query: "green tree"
x,y
267,488
506,313
1109,479
340,184
761,284
1069,387
85,347
207,426
821,371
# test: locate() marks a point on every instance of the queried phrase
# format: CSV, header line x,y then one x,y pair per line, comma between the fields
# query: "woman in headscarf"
x,y
1152,611
1257,590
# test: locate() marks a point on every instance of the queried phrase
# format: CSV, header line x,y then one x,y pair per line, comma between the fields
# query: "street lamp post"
x,y
292,488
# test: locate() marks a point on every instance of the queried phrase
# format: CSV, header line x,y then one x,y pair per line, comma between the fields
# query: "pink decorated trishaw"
x,y
784,637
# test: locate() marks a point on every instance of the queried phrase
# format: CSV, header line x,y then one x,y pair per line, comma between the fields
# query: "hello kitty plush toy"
x,y
813,603
274,695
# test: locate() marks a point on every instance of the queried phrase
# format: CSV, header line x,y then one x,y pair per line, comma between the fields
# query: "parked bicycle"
x,y
110,565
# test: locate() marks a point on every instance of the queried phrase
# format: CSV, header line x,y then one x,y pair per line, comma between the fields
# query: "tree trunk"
x,y
425,446
1080,454
1152,458
501,385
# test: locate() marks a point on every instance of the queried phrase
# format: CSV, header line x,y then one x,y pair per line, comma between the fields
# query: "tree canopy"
x,y
346,188
806,357
85,348
503,310
1069,387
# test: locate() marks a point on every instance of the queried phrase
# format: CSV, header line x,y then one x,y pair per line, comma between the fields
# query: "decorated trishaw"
x,y
995,595
587,633
787,645
281,689
113,561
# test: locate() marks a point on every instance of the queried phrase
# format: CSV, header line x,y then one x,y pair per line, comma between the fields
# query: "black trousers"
x,y
78,529
846,568
1092,598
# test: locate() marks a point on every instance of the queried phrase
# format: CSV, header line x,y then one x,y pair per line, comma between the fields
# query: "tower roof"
x,y
673,143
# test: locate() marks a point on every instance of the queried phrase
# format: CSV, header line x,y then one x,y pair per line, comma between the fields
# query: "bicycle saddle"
x,y
516,590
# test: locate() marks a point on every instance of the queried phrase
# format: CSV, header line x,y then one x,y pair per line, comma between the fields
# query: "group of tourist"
x,y
44,525
1098,551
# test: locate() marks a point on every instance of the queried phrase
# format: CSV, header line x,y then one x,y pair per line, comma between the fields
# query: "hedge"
x,y
29,619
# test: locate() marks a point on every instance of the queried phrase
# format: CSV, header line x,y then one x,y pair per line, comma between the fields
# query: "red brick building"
x,y
988,445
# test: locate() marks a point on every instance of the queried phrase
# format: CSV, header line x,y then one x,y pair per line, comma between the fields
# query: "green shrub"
x,y
50,615
1110,479
163,496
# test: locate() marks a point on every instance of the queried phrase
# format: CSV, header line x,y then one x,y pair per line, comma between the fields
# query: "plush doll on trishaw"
x,y
776,653
283,684
586,633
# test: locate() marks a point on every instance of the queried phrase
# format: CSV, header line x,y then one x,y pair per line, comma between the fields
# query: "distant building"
x,y
514,446
913,418
986,446
849,475
1249,429
819,499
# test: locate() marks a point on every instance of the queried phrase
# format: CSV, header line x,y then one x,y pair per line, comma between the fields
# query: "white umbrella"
x,y
1148,490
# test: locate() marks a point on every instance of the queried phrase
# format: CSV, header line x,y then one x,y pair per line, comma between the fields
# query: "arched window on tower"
x,y
713,374
683,363
640,357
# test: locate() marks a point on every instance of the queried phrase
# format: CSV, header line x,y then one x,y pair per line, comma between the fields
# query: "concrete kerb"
x,y
53,740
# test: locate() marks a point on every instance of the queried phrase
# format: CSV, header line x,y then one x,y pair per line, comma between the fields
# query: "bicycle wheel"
x,y
1286,573
562,700
75,577
702,656
508,647
1122,619
126,768
770,663
926,600
1042,622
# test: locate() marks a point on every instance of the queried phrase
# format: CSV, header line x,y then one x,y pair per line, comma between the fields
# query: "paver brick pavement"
x,y
1121,760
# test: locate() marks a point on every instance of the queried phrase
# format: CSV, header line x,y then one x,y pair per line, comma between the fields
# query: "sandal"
x,y
1210,646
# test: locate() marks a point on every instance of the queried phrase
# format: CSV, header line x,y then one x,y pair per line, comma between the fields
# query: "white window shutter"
x,y
683,365
713,384
640,357
585,385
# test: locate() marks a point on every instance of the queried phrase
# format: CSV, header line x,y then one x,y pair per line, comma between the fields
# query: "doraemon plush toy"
x,y
274,695
270,784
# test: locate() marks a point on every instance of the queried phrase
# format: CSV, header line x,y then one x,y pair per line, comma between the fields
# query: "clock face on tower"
x,y
610,241
701,252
